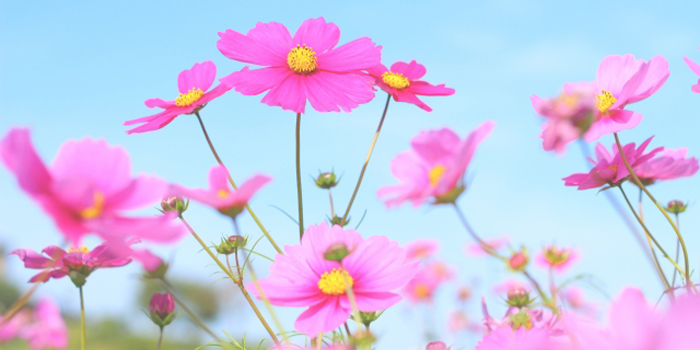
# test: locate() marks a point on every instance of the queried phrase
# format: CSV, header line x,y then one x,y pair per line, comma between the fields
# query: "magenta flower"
x,y
423,286
162,307
402,82
193,84
422,249
435,166
696,69
475,249
374,268
667,165
306,67
609,169
559,259
621,80
88,188
48,330
520,339
220,195
60,263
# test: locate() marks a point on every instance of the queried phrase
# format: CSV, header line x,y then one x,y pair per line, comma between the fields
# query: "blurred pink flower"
x,y
374,268
474,249
576,299
402,82
436,345
305,67
510,284
193,84
88,188
220,195
667,165
609,169
696,69
422,249
13,327
48,330
559,259
423,286
434,167
61,263
520,339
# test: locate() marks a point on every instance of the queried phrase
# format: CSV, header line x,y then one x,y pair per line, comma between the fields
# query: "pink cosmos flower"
x,y
60,263
11,329
88,188
520,339
193,84
48,330
220,195
306,67
667,165
402,82
423,286
609,169
475,249
621,80
422,249
576,299
559,259
696,69
434,167
511,284
302,277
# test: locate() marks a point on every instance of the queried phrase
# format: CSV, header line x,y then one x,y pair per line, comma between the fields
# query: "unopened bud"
x,y
337,220
336,252
436,345
519,298
366,318
326,180
174,203
161,308
676,207
519,260
231,244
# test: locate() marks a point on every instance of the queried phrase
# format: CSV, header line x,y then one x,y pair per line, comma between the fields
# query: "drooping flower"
x,y
435,166
374,268
88,188
403,83
422,249
667,165
193,84
81,261
219,195
48,329
559,259
306,67
475,249
609,169
696,69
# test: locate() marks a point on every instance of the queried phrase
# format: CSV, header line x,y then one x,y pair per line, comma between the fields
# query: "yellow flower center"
x,y
95,209
82,248
612,167
435,174
333,283
222,194
604,101
192,96
395,80
302,59
556,256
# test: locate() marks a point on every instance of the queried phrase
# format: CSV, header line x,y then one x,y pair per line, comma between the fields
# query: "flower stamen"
x,y
605,100
81,249
95,209
395,80
192,96
333,283
436,174
302,59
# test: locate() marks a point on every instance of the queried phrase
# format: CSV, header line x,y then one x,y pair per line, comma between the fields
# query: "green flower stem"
x,y
196,320
233,184
660,207
678,251
364,166
82,320
233,278
14,309
298,162
330,196
160,338
657,265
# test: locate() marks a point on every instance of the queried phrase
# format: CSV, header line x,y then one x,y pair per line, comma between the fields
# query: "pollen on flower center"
x,y
95,209
192,96
612,167
82,249
604,101
333,283
395,80
435,174
302,59
222,194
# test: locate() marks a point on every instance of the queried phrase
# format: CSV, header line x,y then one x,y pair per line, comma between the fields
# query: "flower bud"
x,y
519,260
158,272
366,318
326,180
337,220
519,298
336,252
436,345
231,244
676,207
161,308
174,203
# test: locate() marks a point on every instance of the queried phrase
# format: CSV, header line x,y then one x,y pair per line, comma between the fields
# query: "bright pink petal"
x,y
373,301
256,81
609,125
218,178
268,44
155,121
359,54
692,65
201,76
142,191
412,70
32,259
162,229
332,92
317,34
423,88
322,318
656,76
19,156
157,102
247,190
408,96
288,94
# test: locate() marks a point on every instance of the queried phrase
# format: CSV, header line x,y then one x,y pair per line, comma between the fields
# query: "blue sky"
x,y
68,72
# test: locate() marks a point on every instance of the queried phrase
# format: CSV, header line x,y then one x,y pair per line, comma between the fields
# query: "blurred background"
x,y
74,71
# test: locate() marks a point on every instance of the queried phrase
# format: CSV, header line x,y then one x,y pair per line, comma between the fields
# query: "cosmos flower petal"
x,y
322,318
317,34
412,70
200,76
268,44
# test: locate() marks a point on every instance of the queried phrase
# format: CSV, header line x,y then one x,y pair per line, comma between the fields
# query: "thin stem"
x,y
233,184
14,309
82,320
330,196
364,166
233,278
661,208
678,251
298,161
160,339
540,291
659,270
641,222
347,329
353,301
196,320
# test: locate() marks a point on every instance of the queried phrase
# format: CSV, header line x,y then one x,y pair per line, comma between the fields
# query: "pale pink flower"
x,y
609,169
11,329
428,279
374,268
88,188
306,67
435,166
511,284
459,321
422,249
193,84
559,259
696,69
402,82
48,330
576,299
667,165
475,249
521,339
